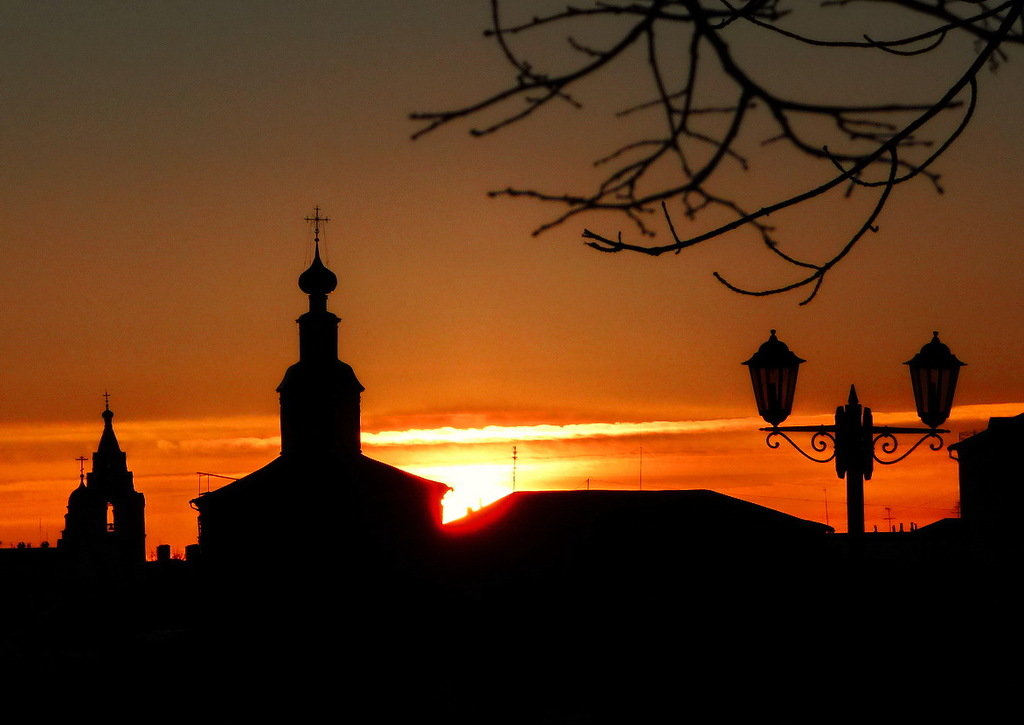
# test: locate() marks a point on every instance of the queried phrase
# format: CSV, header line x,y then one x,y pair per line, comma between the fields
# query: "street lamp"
x,y
933,373
854,442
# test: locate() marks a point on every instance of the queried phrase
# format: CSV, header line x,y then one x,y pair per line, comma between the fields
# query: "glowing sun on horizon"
x,y
474,485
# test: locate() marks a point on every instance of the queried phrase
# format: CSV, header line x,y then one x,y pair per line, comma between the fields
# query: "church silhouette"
x,y
558,584
326,549
323,503
105,526
327,576
321,499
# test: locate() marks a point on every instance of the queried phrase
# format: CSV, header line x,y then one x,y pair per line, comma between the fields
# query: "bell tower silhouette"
x,y
322,497
319,394
106,515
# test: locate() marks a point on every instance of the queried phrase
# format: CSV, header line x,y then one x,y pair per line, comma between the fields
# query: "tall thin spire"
x,y
108,441
108,454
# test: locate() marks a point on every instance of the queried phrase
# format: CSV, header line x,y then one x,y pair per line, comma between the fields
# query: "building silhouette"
x,y
991,494
539,605
105,525
321,500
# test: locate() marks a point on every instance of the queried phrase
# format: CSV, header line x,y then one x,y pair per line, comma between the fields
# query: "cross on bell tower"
x,y
316,219
106,515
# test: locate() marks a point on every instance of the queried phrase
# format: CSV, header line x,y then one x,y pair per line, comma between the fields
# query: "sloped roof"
x,y
286,477
699,510
997,428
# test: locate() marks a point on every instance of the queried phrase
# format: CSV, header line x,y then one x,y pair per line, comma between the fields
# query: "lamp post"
x,y
854,442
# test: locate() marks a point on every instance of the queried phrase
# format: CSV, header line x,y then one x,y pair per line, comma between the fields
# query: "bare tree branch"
x,y
696,133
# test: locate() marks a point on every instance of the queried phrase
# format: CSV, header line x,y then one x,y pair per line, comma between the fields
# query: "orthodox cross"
x,y
106,400
316,219
81,467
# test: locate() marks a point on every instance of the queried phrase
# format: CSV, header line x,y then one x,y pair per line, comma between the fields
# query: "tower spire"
x,y
108,447
320,393
317,281
106,515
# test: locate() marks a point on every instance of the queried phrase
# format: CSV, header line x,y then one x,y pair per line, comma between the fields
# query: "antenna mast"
x,y
208,477
515,457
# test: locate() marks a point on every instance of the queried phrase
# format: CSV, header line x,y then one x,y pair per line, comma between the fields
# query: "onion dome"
x,y
79,493
317,279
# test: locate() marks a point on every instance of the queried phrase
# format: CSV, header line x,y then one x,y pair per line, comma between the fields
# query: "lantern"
x,y
933,374
773,370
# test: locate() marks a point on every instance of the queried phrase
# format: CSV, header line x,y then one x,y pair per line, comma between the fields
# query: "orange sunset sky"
x,y
157,160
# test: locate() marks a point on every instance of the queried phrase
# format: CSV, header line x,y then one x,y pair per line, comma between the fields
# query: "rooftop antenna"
x,y
641,468
515,457
208,477
889,517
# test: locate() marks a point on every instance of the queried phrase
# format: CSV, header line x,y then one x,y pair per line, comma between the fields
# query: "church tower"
x,y
106,515
319,393
322,503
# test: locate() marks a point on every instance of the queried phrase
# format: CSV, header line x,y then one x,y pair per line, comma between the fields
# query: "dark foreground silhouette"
x,y
324,585
505,625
